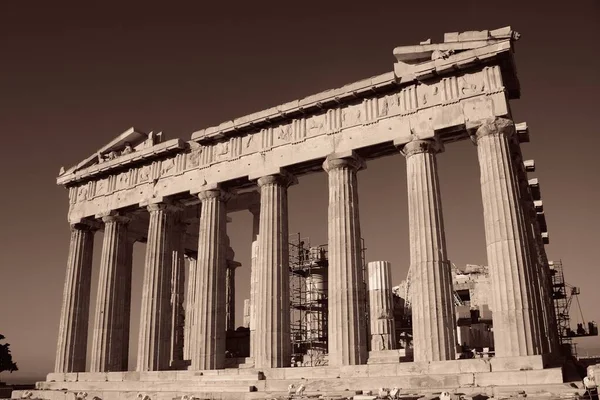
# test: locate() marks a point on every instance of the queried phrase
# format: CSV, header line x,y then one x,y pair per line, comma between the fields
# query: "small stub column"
x,y
381,308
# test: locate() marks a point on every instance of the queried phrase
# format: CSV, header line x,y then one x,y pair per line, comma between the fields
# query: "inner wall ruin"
x,y
175,195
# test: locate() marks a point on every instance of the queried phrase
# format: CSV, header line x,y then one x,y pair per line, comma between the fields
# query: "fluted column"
x,y
253,291
109,322
177,288
208,338
347,329
381,308
273,345
73,330
230,295
126,296
513,316
190,305
536,286
433,319
155,315
246,323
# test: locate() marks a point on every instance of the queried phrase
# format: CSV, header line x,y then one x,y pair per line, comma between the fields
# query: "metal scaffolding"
x,y
563,294
308,300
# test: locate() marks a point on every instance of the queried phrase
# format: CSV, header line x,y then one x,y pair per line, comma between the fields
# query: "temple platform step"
x,y
389,356
474,376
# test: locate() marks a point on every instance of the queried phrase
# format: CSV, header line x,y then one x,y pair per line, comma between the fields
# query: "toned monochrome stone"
x,y
272,331
347,328
155,315
253,290
433,320
230,295
381,308
246,323
539,289
126,296
208,337
108,350
514,318
73,329
177,288
190,305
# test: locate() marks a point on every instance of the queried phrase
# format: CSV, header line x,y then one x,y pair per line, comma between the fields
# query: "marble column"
x,y
536,288
347,329
272,343
178,231
433,319
155,315
381,307
253,290
513,316
109,323
190,305
208,348
126,296
73,330
230,295
246,322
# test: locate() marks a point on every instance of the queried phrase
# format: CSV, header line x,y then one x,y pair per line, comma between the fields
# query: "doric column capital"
x,y
421,146
282,179
114,217
495,127
213,193
162,206
346,160
84,225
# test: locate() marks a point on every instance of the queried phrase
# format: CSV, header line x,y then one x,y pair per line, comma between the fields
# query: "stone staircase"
x,y
496,376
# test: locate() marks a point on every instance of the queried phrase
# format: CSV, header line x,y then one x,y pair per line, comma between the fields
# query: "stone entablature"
x,y
383,110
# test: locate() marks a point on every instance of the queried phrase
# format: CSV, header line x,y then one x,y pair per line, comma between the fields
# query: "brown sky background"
x,y
75,75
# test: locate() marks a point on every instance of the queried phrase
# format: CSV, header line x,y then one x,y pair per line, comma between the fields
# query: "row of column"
x,y
519,315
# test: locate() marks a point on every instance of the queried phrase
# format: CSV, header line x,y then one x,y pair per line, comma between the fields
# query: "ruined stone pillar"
x,y
190,305
273,345
381,308
513,316
433,319
246,322
109,322
177,288
155,315
230,295
208,338
347,330
73,330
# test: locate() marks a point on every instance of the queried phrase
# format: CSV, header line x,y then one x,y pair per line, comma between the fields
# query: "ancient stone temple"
x,y
175,195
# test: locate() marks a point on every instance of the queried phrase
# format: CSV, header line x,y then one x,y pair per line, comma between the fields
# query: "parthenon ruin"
x,y
175,195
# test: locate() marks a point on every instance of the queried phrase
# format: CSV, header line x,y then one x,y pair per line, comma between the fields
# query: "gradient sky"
x,y
75,75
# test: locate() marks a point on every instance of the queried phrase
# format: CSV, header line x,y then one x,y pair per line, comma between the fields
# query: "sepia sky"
x,y
75,75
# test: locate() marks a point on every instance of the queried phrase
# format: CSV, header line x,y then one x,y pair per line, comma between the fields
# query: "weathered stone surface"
x,y
73,329
433,320
155,315
514,318
347,330
208,338
177,334
272,330
383,330
190,305
108,348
